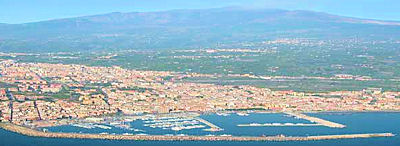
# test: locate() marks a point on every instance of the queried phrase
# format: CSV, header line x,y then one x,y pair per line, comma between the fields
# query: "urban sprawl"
x,y
40,94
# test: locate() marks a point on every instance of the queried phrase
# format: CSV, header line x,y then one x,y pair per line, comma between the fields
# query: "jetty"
x,y
316,120
213,127
278,125
36,133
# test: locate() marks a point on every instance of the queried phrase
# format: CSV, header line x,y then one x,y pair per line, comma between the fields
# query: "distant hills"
x,y
186,29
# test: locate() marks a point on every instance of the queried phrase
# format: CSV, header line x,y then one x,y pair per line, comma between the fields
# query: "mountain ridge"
x,y
187,28
366,20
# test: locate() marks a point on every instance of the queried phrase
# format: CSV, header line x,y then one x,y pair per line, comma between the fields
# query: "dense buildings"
x,y
39,94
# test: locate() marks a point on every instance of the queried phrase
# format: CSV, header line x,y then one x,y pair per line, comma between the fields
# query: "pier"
x,y
316,120
35,133
277,125
213,127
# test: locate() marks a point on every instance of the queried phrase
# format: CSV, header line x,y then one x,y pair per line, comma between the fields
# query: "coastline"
x,y
35,133
305,112
354,111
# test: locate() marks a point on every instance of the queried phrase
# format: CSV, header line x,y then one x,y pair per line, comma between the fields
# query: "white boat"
x,y
128,120
242,114
86,126
127,134
141,134
102,126
254,124
176,128
222,114
115,123
138,130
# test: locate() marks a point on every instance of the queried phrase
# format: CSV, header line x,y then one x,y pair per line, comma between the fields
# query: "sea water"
x,y
377,122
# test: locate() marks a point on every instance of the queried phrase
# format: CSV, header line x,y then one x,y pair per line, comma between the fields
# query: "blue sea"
x,y
378,122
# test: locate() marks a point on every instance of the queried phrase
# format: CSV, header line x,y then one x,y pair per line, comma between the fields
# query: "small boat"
x,y
242,114
138,130
141,134
115,123
102,126
255,124
86,126
222,114
176,128
128,120
127,134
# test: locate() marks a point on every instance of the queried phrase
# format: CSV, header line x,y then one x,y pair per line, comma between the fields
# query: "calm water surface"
x,y
355,122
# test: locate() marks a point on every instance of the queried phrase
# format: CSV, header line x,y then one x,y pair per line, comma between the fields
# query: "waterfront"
x,y
355,122
182,124
230,123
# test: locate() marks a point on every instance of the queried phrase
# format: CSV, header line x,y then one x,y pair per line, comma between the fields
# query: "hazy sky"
x,y
22,11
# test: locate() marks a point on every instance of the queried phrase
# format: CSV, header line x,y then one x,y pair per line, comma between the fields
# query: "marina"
x,y
360,127
355,123
195,124
182,137
191,124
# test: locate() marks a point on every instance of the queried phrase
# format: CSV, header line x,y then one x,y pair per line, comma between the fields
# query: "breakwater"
x,y
35,133
213,127
316,120
277,125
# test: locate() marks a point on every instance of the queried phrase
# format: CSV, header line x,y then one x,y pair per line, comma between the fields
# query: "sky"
x,y
24,11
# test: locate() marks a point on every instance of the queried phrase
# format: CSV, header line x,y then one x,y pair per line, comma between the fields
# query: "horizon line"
x,y
180,9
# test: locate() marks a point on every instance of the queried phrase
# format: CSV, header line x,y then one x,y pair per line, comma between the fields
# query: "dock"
x,y
316,120
278,125
213,127
35,133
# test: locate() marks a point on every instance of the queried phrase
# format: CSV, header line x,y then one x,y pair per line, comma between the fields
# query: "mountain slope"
x,y
186,29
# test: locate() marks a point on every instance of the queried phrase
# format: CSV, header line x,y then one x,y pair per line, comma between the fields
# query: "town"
x,y
39,94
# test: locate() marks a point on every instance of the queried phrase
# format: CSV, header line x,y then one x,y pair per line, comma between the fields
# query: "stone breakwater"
x,y
35,133
317,120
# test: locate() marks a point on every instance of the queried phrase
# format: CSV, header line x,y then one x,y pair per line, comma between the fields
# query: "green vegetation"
x,y
305,85
317,58
6,85
65,93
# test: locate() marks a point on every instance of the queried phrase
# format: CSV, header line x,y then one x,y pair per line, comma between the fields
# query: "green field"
x,y
375,59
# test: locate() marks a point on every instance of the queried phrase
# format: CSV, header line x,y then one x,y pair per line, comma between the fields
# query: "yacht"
x,y
242,114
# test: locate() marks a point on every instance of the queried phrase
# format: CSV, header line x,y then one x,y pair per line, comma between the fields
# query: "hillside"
x,y
186,29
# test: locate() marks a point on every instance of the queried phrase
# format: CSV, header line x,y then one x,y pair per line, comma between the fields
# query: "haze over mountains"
x,y
177,29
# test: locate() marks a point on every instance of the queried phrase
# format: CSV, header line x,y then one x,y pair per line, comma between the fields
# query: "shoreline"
x,y
35,133
229,112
